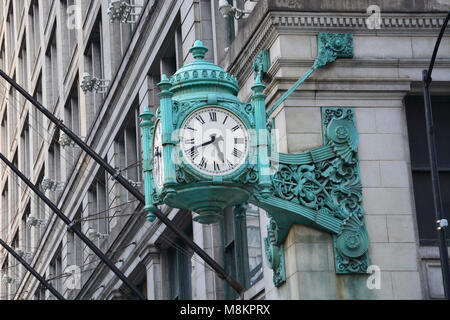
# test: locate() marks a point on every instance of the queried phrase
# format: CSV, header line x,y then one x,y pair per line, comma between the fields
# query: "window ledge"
x,y
430,252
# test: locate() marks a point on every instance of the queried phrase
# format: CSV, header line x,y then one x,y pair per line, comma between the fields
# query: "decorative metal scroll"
x,y
320,188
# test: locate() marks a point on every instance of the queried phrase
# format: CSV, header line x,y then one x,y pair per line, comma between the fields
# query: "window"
x,y
34,29
40,210
94,66
54,169
26,241
4,134
23,67
15,268
55,272
5,287
40,293
12,108
85,5
5,212
47,4
38,120
128,149
52,70
98,215
72,120
180,269
75,245
3,57
242,248
11,33
420,162
68,31
25,150
14,190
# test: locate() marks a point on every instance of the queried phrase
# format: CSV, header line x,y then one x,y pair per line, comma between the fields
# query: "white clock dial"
x,y
214,141
158,161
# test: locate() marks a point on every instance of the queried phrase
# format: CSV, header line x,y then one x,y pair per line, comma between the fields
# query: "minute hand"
x,y
213,138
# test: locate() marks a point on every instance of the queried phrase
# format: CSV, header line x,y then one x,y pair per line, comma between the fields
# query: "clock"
x,y
158,160
214,141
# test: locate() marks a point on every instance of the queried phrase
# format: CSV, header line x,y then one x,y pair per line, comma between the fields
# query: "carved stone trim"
x,y
277,23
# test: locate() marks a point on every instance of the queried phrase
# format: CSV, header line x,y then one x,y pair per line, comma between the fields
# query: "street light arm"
x,y
436,49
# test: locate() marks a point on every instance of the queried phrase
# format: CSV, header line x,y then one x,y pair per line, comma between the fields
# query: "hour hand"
x,y
219,152
213,138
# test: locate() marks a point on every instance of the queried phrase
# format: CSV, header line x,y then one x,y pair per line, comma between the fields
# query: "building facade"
x,y
50,47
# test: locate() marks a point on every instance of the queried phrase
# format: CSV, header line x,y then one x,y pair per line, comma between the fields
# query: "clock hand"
x,y
219,152
213,139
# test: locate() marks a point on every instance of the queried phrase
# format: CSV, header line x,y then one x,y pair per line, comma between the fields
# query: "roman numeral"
x,y
193,153
239,140
189,141
203,163
235,128
216,166
225,121
190,128
213,116
237,153
230,165
200,119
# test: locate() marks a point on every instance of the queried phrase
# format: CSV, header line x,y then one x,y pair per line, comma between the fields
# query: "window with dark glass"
x,y
242,247
180,268
420,164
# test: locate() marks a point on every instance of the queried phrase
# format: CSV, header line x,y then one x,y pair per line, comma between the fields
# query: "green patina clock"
x,y
207,151
201,142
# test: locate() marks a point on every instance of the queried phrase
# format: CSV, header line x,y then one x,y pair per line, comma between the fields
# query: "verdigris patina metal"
x,y
320,188
331,46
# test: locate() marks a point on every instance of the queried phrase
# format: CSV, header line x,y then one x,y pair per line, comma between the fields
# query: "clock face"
x,y
158,163
214,141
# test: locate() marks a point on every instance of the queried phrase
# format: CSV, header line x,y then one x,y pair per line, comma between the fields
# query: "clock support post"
x,y
262,135
167,131
146,127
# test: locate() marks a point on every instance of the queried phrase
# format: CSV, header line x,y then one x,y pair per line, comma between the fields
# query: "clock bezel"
x,y
194,171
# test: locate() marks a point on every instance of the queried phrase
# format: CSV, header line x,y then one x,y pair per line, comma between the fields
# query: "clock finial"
x,y
198,50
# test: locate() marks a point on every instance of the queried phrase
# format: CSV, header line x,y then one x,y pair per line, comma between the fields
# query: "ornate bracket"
x,y
320,188
275,253
331,46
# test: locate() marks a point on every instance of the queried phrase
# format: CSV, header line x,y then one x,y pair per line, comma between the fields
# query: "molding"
x,y
356,23
309,23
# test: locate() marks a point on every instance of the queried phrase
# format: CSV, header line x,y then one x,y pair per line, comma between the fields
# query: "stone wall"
x,y
387,66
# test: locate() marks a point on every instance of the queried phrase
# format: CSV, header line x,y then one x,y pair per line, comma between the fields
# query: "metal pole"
x,y
437,199
74,228
127,185
32,271
438,208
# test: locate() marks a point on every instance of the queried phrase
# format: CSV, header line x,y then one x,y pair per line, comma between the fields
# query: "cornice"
x,y
309,23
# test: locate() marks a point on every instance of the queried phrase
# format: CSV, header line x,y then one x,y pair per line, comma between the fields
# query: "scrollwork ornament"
x,y
275,254
183,177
